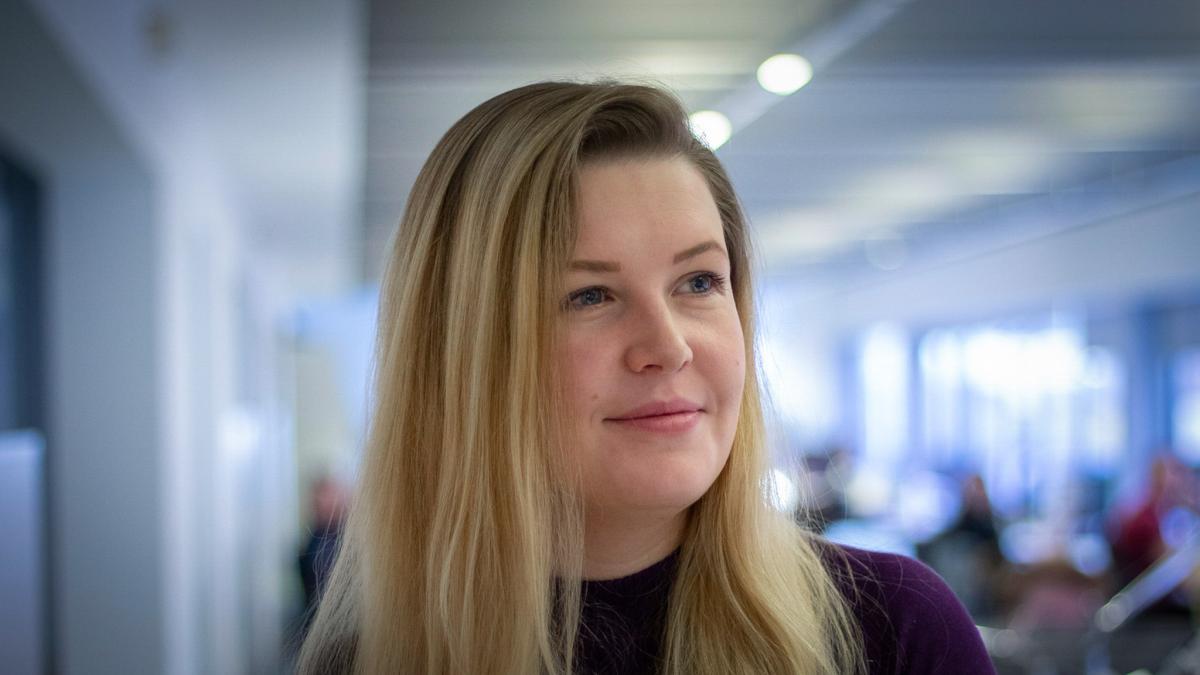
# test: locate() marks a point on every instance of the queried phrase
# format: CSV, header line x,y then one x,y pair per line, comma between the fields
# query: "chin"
x,y
665,487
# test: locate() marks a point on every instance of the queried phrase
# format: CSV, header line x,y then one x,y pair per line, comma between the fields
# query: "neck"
x,y
619,544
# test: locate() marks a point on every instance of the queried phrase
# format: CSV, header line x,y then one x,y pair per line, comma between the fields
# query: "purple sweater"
x,y
911,621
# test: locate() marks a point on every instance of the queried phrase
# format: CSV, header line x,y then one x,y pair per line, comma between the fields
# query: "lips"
x,y
675,406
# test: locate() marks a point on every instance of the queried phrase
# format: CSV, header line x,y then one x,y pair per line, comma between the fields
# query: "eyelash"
x,y
717,280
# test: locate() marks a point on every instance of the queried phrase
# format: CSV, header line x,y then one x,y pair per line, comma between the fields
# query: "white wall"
x,y
105,412
22,569
169,479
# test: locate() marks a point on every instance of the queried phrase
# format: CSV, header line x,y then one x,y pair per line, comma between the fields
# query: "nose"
x,y
658,343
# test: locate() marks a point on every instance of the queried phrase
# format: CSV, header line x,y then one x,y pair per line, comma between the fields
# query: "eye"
x,y
586,297
705,283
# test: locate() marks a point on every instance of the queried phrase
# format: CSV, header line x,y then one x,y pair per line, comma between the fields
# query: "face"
x,y
652,354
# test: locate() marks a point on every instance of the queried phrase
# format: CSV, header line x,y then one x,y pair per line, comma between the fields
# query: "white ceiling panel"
x,y
938,114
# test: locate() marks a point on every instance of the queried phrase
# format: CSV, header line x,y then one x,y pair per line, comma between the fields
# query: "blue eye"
x,y
705,283
587,297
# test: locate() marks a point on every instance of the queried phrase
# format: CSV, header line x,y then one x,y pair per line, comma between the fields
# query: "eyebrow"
x,y
606,266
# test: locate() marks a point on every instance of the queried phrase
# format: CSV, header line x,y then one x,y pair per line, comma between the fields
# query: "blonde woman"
x,y
564,472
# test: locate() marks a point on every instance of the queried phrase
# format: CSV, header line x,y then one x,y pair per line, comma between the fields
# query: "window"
x,y
1027,404
1185,413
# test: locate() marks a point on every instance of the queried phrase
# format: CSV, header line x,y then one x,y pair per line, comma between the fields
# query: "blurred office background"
x,y
979,234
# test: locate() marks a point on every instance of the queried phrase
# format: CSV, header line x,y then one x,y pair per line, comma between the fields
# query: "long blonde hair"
x,y
463,553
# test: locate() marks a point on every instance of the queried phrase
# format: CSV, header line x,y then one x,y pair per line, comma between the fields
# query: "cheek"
x,y
580,378
729,379
730,359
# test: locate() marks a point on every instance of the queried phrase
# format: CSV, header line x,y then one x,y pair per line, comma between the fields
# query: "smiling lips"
x,y
674,416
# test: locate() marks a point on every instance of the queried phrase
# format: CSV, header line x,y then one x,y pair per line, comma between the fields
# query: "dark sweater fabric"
x,y
910,619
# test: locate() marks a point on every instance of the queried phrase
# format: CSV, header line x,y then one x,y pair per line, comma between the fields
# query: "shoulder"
x,y
911,621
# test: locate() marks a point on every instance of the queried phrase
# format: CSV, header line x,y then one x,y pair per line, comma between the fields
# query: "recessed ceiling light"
x,y
711,127
784,73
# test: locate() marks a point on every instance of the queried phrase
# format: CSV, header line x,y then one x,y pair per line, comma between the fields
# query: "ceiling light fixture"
x,y
711,127
783,74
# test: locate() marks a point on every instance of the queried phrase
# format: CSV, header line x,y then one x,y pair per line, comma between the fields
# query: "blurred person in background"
x,y
1136,532
967,554
329,501
566,462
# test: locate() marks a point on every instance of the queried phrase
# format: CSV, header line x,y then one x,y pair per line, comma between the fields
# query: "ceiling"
x,y
249,115
925,119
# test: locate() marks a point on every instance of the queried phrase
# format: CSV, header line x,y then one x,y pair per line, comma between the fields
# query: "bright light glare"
x,y
869,493
711,127
783,495
1050,361
927,505
784,73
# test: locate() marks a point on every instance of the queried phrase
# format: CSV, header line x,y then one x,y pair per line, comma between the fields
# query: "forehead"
x,y
644,204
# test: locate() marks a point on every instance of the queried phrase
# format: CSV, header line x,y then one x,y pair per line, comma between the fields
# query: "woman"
x,y
564,471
